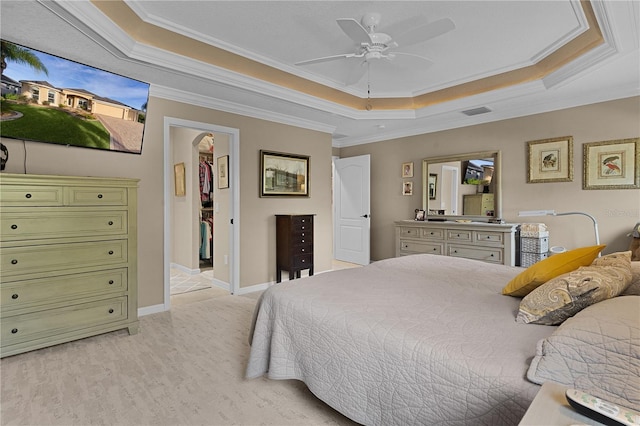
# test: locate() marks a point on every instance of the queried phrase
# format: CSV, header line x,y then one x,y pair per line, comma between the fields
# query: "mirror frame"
x,y
497,178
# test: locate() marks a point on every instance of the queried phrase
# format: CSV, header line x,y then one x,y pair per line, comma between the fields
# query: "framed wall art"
x,y
222,166
407,188
283,175
550,160
612,164
407,170
179,180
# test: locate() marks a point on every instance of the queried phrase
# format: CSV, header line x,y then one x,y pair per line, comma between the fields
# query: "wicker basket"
x,y
534,234
528,259
534,245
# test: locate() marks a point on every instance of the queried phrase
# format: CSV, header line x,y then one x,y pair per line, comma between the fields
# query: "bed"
x,y
419,339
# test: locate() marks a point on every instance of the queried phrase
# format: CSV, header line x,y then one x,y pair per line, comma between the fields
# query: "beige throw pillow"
x,y
566,295
634,287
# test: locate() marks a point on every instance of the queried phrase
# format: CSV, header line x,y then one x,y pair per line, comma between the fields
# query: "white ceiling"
x,y
491,37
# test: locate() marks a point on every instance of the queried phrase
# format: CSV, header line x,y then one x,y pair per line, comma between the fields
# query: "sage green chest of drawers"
x,y
68,259
488,242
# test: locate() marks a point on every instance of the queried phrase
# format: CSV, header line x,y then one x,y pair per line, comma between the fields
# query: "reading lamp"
x,y
553,213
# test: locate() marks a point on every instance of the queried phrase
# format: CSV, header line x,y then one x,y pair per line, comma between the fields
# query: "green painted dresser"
x,y
68,259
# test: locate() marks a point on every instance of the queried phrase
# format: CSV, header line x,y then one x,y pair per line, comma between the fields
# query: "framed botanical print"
x,y
550,160
612,164
407,170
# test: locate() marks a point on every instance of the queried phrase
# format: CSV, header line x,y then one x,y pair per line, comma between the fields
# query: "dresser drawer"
x,y
410,232
302,249
433,234
456,235
20,295
17,261
31,326
20,195
298,222
305,237
489,237
97,196
484,254
49,223
302,261
411,247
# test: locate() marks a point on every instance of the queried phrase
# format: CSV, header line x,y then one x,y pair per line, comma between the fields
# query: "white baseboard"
x,y
185,269
221,284
153,309
264,286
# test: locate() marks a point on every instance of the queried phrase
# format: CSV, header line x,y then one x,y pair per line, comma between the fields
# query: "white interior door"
x,y
450,177
351,200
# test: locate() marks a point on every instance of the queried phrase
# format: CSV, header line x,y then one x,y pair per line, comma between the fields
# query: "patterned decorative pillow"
x,y
566,295
634,287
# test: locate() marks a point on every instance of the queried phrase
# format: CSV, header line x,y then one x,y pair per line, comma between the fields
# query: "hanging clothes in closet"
x,y
206,199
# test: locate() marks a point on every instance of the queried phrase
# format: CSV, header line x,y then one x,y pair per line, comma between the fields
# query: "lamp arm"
x,y
595,223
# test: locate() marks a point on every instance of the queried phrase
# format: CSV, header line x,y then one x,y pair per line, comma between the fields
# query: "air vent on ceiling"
x,y
476,111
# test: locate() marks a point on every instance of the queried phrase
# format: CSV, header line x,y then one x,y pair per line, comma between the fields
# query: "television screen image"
x,y
50,99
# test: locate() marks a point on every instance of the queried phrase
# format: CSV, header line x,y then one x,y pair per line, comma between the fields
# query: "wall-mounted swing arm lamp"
x,y
553,213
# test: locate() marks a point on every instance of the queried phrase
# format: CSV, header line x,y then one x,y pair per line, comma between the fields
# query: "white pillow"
x,y
597,351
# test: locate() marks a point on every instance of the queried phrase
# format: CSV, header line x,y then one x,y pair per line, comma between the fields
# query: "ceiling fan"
x,y
372,45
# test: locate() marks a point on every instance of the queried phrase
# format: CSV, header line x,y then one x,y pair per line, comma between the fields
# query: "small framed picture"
x,y
420,215
407,170
223,172
612,164
550,160
179,180
407,188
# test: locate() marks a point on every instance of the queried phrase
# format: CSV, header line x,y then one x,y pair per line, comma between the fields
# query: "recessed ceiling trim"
x,y
152,35
235,108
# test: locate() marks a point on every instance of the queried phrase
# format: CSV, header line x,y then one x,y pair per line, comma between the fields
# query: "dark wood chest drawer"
x,y
294,245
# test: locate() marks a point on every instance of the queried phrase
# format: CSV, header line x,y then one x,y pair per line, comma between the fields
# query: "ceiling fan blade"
x,y
416,59
356,73
425,32
328,58
354,30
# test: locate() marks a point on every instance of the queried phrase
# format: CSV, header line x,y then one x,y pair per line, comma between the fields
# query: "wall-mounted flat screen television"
x,y
46,98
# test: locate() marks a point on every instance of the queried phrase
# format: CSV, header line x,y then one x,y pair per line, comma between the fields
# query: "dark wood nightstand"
x,y
294,244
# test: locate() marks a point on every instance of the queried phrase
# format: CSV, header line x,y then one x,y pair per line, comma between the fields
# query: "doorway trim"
x,y
234,207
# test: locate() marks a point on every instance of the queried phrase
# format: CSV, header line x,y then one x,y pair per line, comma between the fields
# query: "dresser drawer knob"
x,y
14,331
435,249
431,233
491,254
14,296
301,249
110,252
28,195
110,222
302,260
303,241
302,227
110,282
99,195
110,311
14,226
14,261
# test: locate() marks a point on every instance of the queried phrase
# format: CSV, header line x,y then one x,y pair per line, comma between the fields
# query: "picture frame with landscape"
x,y
283,174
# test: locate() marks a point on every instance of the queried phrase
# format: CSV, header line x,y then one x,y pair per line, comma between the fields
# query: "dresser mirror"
x,y
463,186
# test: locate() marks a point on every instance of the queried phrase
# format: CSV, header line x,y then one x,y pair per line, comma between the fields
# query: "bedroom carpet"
x,y
184,367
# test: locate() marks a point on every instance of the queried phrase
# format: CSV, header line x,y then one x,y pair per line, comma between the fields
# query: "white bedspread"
x,y
419,339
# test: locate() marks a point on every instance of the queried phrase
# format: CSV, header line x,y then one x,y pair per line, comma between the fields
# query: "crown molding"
x,y
235,108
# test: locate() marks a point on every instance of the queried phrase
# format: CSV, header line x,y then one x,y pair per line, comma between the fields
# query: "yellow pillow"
x,y
558,264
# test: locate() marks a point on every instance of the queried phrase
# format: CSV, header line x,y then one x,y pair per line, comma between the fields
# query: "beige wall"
x,y
616,210
257,233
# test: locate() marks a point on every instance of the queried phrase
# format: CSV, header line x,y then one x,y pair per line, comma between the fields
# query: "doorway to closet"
x,y
200,224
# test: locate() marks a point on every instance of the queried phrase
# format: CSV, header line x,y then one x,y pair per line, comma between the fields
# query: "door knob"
x,y
365,216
